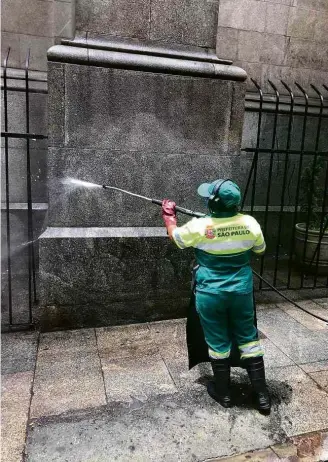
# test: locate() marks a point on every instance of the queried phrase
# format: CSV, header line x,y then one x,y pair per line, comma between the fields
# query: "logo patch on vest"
x,y
209,232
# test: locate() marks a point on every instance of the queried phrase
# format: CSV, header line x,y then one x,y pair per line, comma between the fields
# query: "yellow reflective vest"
x,y
223,247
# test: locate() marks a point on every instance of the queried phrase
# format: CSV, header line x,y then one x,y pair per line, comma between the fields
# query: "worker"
x,y
223,243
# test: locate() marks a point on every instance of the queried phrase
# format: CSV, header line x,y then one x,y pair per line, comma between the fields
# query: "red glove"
x,y
168,212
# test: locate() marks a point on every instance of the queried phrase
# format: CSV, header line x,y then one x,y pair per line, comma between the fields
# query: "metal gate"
x,y
287,182
24,285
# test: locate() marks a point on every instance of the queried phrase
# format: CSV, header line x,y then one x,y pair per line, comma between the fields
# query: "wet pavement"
x,y
125,394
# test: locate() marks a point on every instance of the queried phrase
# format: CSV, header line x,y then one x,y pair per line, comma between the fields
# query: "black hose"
x,y
200,215
260,277
289,300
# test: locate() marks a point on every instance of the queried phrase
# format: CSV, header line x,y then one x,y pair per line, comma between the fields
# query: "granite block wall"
x,y
191,22
105,257
276,39
139,131
34,25
268,38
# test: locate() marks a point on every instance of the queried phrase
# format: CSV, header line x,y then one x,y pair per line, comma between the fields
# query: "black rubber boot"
x,y
256,373
220,388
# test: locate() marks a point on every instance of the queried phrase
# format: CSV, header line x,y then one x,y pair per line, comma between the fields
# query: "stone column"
x,y
154,119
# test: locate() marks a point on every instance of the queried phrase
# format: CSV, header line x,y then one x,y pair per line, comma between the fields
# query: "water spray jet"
x,y
79,183
15,249
86,184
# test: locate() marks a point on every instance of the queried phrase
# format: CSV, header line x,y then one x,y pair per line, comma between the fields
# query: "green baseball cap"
x,y
229,192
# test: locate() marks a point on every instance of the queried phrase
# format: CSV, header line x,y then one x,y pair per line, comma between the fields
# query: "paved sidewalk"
x,y
125,394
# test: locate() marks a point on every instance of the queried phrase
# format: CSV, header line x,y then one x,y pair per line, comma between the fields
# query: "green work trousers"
x,y
227,317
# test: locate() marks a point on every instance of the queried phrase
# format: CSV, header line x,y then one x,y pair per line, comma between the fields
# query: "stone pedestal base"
x,y
152,119
107,276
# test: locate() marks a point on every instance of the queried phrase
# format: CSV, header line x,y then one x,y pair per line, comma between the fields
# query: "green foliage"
x,y
312,193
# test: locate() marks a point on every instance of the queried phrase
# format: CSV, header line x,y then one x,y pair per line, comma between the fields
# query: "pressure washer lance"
x,y
157,202
201,215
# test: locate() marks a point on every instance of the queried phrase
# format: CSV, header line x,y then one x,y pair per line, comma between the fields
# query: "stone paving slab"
x,y
306,319
310,447
18,351
324,448
265,297
67,342
140,377
304,407
321,378
273,356
170,336
321,301
68,373
173,330
175,357
267,455
315,367
157,410
120,342
15,401
181,427
184,426
295,340
297,401
319,308
265,305
285,451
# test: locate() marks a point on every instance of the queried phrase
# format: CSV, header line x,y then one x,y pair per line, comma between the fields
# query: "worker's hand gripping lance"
x,y
157,202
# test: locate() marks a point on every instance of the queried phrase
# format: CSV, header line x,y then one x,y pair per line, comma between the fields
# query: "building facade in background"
x,y
271,39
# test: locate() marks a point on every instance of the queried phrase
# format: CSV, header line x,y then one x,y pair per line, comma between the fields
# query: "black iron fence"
x,y
22,84
287,183
284,160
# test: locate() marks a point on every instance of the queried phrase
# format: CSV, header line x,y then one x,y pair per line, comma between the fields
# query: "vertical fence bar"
x,y
290,127
273,141
258,139
309,198
306,109
323,225
326,88
31,260
323,200
248,183
5,106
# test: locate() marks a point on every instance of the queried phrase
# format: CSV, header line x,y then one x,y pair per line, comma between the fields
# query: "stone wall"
x,y
158,131
34,24
141,131
268,38
191,22
276,39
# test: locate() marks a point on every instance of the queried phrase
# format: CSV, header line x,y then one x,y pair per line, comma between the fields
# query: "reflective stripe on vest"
x,y
218,246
